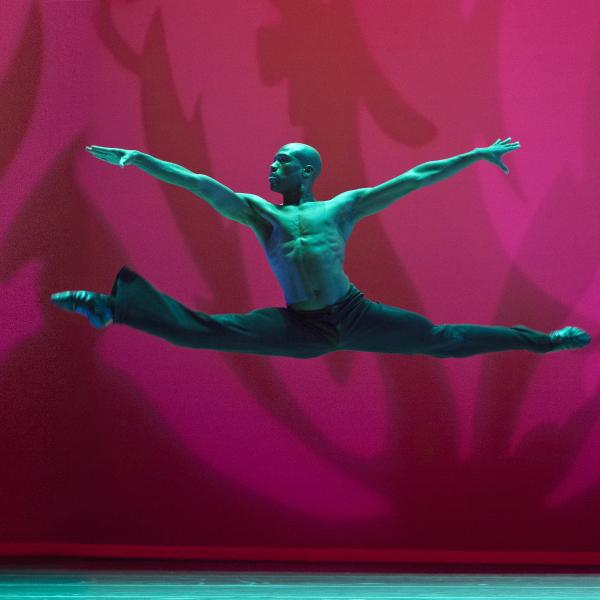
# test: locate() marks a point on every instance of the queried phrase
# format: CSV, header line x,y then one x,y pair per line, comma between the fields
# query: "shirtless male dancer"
x,y
305,242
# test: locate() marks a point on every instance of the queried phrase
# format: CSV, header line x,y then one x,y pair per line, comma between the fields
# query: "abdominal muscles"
x,y
309,267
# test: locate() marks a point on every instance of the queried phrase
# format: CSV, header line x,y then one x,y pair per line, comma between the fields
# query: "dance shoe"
x,y
96,308
569,338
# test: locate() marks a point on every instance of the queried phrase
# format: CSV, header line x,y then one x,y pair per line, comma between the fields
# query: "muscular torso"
x,y
305,246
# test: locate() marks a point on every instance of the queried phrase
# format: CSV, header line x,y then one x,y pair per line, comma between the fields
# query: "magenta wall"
x,y
117,443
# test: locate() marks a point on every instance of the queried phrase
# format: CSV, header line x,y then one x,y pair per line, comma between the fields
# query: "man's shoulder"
x,y
262,217
253,198
349,195
344,202
257,203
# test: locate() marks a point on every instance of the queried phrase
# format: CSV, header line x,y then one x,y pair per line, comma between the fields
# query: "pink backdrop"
x,y
118,443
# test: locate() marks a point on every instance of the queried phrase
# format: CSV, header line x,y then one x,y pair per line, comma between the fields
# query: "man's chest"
x,y
314,221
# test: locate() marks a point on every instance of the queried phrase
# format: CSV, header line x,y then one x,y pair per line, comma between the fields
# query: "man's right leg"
x,y
389,329
136,303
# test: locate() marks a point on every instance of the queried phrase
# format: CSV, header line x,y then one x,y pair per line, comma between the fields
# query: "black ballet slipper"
x,y
96,308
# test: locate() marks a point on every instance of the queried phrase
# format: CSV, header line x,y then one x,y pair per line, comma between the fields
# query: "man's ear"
x,y
307,171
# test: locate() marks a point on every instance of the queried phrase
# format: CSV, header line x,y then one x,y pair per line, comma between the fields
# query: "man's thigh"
x,y
270,331
384,328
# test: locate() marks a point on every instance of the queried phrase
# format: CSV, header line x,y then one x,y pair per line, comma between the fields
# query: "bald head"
x,y
294,170
306,155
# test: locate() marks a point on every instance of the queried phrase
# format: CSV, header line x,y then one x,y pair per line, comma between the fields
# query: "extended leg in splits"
x,y
388,329
324,311
353,323
136,303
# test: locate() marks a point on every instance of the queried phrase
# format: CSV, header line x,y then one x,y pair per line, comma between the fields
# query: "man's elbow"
x,y
199,184
416,180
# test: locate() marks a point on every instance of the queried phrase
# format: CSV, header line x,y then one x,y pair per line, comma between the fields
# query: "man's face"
x,y
285,174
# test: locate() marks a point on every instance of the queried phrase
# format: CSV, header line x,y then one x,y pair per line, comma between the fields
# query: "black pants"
x,y
353,323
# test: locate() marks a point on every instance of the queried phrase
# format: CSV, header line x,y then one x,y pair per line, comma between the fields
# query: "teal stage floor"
x,y
39,583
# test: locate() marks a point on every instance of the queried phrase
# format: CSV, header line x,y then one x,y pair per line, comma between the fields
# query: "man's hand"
x,y
114,156
494,152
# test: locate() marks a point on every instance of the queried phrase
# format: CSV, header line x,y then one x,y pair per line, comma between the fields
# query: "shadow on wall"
x,y
20,86
442,494
221,266
319,50
492,501
82,445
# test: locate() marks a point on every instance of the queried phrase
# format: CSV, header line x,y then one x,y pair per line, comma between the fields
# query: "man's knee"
x,y
444,341
447,333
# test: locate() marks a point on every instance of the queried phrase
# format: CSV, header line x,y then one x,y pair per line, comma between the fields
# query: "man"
x,y
305,242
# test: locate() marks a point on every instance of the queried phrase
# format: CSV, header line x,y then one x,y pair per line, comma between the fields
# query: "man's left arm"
x,y
368,201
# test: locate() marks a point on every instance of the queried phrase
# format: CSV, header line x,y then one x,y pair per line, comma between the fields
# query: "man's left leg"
x,y
388,329
136,303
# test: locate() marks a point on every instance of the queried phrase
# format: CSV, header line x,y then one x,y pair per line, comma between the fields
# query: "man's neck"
x,y
296,198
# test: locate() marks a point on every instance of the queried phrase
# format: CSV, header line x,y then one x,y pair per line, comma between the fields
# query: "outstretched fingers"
x,y
98,152
110,155
506,143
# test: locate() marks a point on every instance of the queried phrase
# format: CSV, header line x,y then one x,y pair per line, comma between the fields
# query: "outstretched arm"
x,y
220,197
161,169
368,201
432,172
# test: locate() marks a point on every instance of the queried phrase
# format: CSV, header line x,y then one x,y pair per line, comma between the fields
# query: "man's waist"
x,y
312,305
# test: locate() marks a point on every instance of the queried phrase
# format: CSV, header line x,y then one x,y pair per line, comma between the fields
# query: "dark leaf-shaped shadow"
x,y
19,88
319,51
75,431
563,231
171,135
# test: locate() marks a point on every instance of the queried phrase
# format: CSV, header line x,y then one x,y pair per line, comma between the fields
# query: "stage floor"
x,y
47,584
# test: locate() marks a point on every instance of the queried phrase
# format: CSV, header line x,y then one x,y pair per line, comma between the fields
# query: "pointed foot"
x,y
569,338
96,308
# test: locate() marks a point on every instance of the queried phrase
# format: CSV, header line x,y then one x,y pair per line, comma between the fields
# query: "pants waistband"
x,y
352,292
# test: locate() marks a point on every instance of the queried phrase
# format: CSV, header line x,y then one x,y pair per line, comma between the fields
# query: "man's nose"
x,y
273,167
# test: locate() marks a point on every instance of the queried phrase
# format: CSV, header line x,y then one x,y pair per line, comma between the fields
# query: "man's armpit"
x,y
345,213
259,208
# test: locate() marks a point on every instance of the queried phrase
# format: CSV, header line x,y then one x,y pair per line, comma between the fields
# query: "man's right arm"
x,y
224,200
161,169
